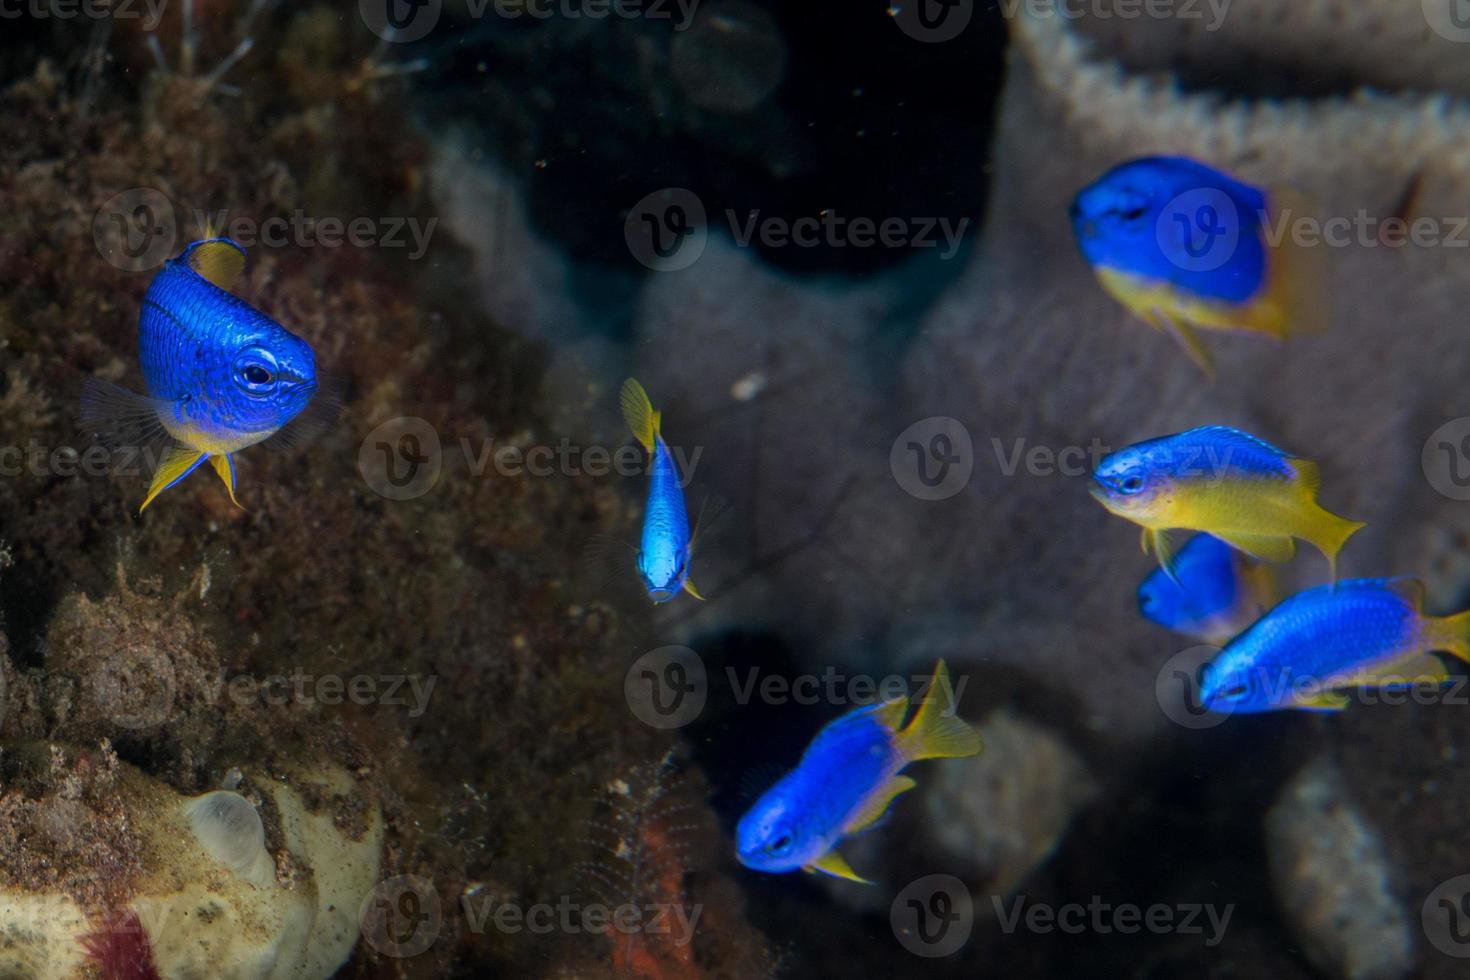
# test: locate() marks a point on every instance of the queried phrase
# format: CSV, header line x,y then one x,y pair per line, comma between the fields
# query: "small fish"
x,y
846,780
1184,246
666,546
221,375
1308,651
1216,479
1219,591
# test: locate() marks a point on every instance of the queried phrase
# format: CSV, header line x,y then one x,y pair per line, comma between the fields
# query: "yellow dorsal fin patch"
x,y
936,731
225,467
833,864
177,463
217,259
877,804
639,414
890,714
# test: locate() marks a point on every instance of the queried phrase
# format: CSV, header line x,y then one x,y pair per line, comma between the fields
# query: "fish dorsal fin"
x,y
937,731
1260,547
219,260
1229,433
638,412
833,864
877,804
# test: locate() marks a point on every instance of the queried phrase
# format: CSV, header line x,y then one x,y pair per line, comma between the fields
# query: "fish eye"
x,y
1131,484
1235,692
257,375
1133,213
782,844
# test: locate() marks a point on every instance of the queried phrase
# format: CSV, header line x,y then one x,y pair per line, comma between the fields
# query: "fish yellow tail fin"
x,y
936,730
1298,298
1330,534
639,414
1452,635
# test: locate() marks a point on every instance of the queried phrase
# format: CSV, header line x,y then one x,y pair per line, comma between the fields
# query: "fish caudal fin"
x,y
937,731
1326,531
177,463
1452,635
1298,297
219,260
225,467
639,414
1330,534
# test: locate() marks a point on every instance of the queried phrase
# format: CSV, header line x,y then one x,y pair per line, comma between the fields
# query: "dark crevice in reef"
x,y
607,120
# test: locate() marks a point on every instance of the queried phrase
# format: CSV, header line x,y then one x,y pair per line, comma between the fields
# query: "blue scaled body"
x,y
221,375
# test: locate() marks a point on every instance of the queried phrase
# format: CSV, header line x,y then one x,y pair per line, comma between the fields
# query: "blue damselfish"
x,y
1216,591
1308,652
1184,246
1226,482
665,546
846,780
221,375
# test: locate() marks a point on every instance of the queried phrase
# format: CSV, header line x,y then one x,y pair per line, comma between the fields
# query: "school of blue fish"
x,y
1181,246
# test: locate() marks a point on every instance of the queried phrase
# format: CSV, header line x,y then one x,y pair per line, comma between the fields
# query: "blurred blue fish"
x,y
1184,246
221,375
665,546
846,780
1314,647
1216,591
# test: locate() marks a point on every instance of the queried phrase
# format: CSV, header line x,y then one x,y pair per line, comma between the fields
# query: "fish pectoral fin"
x,y
225,467
1260,546
689,587
1323,701
877,804
177,463
833,864
1183,332
1159,542
217,259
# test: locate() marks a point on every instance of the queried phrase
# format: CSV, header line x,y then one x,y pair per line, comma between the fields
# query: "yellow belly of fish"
x,y
212,443
1153,301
